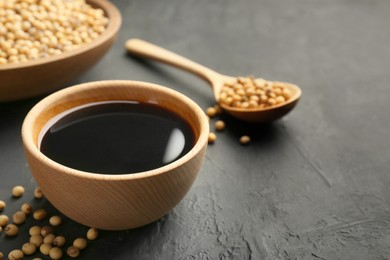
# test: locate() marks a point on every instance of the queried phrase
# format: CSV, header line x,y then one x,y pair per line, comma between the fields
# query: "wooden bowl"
x,y
123,201
36,77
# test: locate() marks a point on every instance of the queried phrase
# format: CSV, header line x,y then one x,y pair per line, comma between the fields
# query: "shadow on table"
x,y
126,244
260,134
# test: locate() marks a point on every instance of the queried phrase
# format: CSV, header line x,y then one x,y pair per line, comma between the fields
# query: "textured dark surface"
x,y
314,185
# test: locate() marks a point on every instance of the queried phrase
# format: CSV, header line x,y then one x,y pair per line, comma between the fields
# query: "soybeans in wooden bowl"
x,y
46,44
114,199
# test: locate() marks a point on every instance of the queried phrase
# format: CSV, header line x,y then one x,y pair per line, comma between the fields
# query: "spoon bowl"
x,y
216,80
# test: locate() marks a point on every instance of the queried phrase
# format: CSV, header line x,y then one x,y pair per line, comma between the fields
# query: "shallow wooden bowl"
x,y
45,75
114,202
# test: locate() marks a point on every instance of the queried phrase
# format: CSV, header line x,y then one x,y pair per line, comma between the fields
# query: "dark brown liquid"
x,y
116,138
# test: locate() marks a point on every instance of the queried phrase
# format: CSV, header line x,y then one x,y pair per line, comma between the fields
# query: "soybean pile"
x,y
253,93
34,29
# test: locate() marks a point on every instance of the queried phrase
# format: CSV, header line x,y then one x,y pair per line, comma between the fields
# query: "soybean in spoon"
x,y
268,108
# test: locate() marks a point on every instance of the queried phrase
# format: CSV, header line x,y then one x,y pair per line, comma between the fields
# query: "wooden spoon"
x,y
256,115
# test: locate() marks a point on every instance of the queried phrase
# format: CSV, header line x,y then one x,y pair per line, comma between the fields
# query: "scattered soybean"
x,y
80,243
29,248
38,194
73,251
17,191
40,214
26,208
55,221
92,233
4,220
15,254
245,139
212,138
11,230
18,217
2,205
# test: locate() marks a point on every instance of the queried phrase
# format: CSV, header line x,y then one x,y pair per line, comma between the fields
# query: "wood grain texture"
x,y
123,201
37,77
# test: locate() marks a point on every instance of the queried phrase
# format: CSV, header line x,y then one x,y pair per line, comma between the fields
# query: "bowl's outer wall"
x,y
137,201
27,82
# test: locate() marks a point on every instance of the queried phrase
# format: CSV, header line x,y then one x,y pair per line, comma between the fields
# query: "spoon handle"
x,y
145,49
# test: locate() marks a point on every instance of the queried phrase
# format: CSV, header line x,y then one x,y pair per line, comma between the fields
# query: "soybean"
x,y
15,255
48,239
38,193
92,233
26,208
212,138
4,220
80,243
73,251
2,205
45,249
29,248
34,230
46,230
55,253
17,191
37,240
11,230
211,111
19,217
55,220
245,139
59,241
219,125
40,214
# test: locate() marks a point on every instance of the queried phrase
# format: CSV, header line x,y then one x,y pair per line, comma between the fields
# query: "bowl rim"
x,y
34,113
115,20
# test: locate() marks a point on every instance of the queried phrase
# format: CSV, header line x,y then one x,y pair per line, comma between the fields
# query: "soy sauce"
x,y
117,137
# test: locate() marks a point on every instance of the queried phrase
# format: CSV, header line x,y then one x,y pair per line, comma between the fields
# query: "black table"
x,y
314,185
